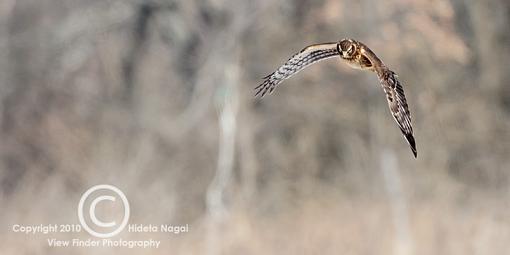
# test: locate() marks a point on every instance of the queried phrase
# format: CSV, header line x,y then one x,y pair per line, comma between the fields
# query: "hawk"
x,y
358,56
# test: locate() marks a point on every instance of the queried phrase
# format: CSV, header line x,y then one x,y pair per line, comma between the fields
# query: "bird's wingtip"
x,y
412,144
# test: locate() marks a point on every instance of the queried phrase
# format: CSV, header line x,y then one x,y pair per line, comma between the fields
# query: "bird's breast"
x,y
353,64
360,63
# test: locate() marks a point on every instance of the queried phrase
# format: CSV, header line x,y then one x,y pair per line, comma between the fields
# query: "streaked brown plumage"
x,y
358,56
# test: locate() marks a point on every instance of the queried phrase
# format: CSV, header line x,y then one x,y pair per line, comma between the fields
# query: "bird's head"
x,y
347,48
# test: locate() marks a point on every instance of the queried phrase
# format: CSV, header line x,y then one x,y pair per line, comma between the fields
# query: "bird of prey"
x,y
358,56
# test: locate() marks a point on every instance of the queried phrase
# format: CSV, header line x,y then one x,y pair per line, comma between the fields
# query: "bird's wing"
x,y
398,104
296,63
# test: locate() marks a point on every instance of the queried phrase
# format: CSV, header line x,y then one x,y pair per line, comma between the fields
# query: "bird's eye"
x,y
351,50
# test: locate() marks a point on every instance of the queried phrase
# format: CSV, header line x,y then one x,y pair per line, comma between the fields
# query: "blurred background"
x,y
156,98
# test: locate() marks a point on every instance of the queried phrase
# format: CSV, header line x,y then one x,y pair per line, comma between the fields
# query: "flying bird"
x,y
358,56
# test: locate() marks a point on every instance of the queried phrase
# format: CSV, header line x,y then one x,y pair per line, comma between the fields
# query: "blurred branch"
x,y
219,43
226,150
144,13
392,183
228,124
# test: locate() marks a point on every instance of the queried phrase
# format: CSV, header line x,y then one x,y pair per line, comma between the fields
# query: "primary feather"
x,y
398,105
296,63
